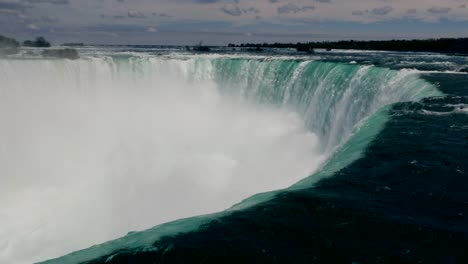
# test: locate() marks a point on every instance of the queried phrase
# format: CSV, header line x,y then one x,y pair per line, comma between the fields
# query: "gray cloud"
x,y
135,14
439,10
54,2
382,10
116,28
33,27
234,10
358,13
49,19
160,14
178,15
293,8
252,10
13,7
20,6
319,1
214,1
231,10
206,1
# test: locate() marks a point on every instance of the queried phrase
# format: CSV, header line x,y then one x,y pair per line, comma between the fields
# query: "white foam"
x,y
457,109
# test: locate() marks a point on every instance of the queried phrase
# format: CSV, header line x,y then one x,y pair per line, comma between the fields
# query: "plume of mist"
x,y
94,148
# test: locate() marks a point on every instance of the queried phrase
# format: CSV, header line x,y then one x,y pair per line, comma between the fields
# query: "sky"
x,y
219,22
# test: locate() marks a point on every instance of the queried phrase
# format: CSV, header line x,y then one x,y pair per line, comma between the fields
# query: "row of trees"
x,y
12,43
8,42
8,46
40,42
443,45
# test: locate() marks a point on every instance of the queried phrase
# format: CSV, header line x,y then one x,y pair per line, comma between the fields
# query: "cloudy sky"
x,y
230,21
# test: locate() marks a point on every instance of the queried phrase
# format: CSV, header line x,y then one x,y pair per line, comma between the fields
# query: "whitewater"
x,y
95,148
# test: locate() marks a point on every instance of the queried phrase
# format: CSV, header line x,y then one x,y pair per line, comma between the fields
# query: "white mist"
x,y
95,148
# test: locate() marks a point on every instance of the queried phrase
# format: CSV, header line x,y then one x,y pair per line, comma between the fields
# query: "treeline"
x,y
9,46
39,42
443,45
8,42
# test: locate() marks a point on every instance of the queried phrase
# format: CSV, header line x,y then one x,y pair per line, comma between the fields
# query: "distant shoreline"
x,y
451,46
454,46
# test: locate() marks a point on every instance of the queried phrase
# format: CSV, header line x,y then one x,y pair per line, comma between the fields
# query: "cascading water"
x,y
97,147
